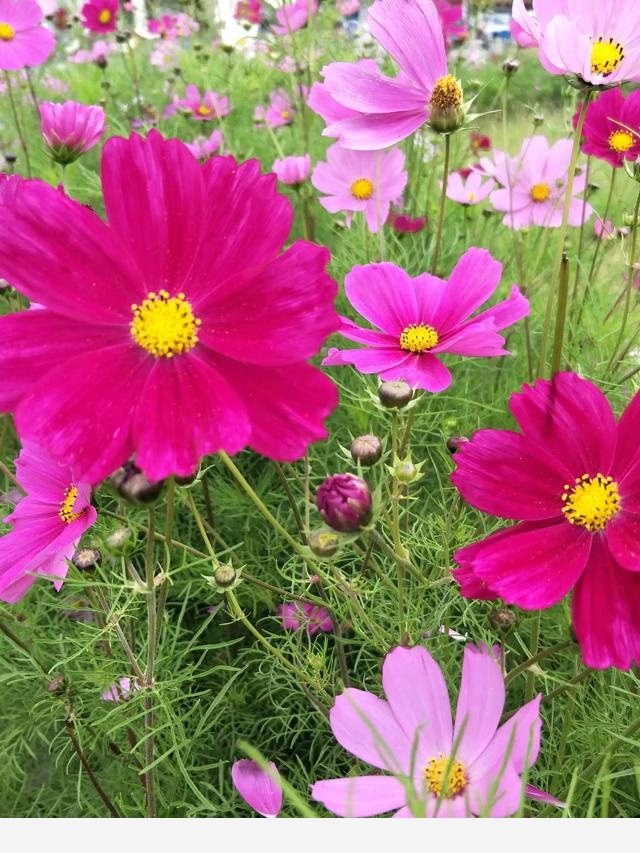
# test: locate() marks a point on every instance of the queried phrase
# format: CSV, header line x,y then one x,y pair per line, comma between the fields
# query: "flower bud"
x,y
85,559
132,485
538,120
120,541
344,502
11,158
323,542
224,577
510,66
447,113
503,620
366,449
456,442
395,395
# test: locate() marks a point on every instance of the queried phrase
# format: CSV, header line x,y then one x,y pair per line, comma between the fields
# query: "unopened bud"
x,y
11,158
366,449
406,472
323,543
510,66
456,442
502,619
395,395
56,685
120,541
85,559
538,120
224,577
132,485
344,502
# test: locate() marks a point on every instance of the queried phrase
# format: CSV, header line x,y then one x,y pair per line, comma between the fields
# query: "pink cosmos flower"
x,y
534,185
70,129
479,142
120,690
570,477
250,11
257,788
98,54
612,127
165,54
47,523
469,191
175,330
604,230
346,8
22,40
520,36
292,170
596,40
411,735
279,112
383,110
204,147
453,27
100,16
311,617
294,17
205,107
365,181
420,318
405,224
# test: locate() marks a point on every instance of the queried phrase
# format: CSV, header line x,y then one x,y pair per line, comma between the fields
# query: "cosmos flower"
x,y
598,41
279,112
534,185
571,478
203,107
257,788
120,690
70,129
470,190
453,27
177,329
411,736
98,54
405,224
612,127
292,170
23,42
313,618
419,319
250,11
204,147
46,524
361,181
383,110
100,16
293,17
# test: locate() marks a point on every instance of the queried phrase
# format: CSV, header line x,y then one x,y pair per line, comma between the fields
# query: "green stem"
x,y
443,199
339,640
18,123
152,627
629,288
290,497
533,648
563,295
545,653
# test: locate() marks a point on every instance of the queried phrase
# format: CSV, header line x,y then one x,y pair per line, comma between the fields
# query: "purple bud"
x,y
366,449
344,502
456,442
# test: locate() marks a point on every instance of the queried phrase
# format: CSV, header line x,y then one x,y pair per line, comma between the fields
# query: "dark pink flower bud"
x,y
344,502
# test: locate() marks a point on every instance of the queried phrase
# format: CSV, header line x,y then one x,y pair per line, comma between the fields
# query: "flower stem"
x,y
533,648
75,743
629,287
152,628
18,123
443,199
563,295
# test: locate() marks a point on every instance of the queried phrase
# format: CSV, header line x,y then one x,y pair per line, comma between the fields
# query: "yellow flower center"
x,y
606,56
435,774
164,325
6,31
591,502
203,110
66,512
446,94
418,338
621,141
362,189
540,192
285,114
105,16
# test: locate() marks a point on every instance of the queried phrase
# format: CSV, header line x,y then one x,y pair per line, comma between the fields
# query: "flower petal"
x,y
472,281
360,796
480,703
623,537
384,295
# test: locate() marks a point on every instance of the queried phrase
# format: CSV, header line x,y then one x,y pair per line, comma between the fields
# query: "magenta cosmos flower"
x,y
46,524
292,170
297,614
383,110
572,478
261,790
22,40
250,11
203,107
70,129
596,40
411,735
419,319
294,17
100,16
177,329
534,185
470,190
361,181
612,127
453,26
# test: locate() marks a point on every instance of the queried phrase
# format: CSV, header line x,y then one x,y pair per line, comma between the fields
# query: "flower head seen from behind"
x,y
419,319
612,127
23,42
534,185
100,16
197,327
70,129
570,477
292,171
361,181
46,524
411,736
261,790
297,615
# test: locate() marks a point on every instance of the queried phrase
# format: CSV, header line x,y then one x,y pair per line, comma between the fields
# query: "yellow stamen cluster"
x,y
446,94
418,338
203,110
66,512
165,325
6,31
606,56
285,114
540,192
621,141
105,16
434,776
362,189
591,502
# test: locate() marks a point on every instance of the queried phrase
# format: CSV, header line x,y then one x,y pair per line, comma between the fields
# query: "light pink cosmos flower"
x,y
98,54
411,735
204,147
469,191
604,230
165,54
520,36
419,319
22,40
293,17
205,107
279,112
256,787
177,329
346,8
120,690
100,16
534,185
69,129
292,170
596,40
383,110
47,523
311,617
361,181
